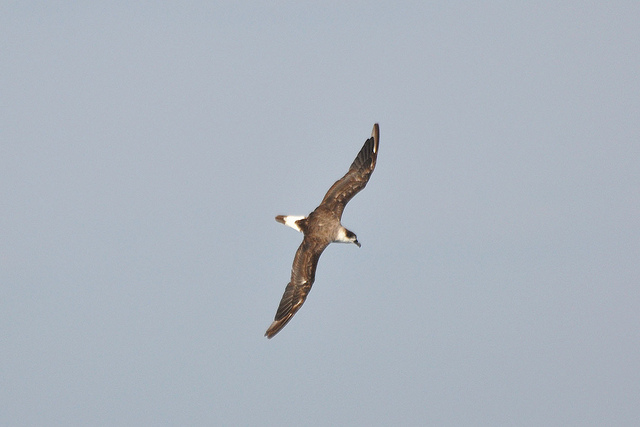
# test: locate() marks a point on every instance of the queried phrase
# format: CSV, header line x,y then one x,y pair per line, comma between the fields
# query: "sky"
x,y
145,149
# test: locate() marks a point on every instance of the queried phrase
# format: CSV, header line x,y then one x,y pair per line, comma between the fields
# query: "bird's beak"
x,y
357,243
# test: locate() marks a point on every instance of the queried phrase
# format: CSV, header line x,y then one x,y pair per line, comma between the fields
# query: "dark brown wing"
x,y
356,178
303,273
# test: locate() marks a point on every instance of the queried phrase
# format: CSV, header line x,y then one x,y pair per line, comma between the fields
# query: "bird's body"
x,y
321,228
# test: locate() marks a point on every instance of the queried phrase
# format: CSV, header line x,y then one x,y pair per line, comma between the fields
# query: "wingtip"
x,y
375,134
269,334
278,324
275,327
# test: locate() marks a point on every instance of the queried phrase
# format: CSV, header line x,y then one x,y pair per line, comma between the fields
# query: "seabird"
x,y
320,228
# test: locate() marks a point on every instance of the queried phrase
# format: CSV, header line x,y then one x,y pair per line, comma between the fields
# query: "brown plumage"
x,y
321,228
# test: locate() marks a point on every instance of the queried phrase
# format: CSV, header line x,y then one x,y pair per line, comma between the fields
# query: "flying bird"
x,y
321,228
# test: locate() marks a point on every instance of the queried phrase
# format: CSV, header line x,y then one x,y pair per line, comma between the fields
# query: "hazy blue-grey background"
x,y
145,149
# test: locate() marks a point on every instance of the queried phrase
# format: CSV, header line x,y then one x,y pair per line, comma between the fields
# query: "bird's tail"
x,y
291,221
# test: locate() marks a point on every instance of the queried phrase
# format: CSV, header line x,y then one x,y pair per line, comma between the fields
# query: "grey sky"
x,y
145,150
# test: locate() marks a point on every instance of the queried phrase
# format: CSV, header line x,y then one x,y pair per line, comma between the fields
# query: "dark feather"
x,y
356,178
303,274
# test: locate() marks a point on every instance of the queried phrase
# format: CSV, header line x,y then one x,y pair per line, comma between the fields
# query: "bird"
x,y
320,228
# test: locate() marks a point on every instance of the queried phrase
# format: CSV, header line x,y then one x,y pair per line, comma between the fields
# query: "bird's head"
x,y
349,237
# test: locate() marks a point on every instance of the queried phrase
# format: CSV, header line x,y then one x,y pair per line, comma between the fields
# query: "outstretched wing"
x,y
356,178
303,274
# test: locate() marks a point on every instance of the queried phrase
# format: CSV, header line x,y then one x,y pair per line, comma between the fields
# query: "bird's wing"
x,y
356,178
303,273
